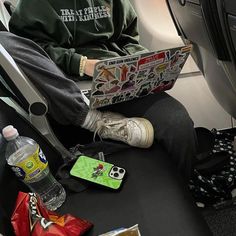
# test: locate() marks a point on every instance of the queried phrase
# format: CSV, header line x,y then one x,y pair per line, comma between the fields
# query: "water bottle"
x,y
29,163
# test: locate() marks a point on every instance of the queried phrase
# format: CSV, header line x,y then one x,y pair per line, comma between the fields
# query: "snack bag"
x,y
31,218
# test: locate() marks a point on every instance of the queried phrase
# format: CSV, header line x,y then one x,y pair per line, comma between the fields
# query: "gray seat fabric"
x,y
209,26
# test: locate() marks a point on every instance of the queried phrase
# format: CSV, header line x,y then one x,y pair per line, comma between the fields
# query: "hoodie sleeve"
x,y
129,38
45,27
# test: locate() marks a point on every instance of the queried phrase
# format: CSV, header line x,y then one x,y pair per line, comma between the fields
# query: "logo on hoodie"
x,y
85,14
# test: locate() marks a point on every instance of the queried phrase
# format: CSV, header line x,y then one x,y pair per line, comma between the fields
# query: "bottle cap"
x,y
9,132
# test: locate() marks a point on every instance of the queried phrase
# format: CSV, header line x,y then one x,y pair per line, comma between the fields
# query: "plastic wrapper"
x,y
31,218
132,231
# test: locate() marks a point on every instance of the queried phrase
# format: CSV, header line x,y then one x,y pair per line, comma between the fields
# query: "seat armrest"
x,y
4,15
37,104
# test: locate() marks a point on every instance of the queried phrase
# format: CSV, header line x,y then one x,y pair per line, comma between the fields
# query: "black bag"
x,y
213,183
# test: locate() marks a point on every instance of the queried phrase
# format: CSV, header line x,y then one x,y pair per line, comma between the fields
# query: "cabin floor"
x,y
222,222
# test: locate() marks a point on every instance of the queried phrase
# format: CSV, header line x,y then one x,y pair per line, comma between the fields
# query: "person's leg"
x,y
64,98
62,94
173,128
136,131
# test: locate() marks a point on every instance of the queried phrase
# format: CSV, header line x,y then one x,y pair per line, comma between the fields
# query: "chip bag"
x,y
31,218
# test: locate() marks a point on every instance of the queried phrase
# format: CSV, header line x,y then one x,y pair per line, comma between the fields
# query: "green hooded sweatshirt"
x,y
69,29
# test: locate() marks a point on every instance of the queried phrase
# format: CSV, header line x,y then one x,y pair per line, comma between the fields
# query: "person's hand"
x,y
89,66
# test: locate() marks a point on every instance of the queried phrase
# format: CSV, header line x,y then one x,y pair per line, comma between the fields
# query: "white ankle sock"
x,y
92,117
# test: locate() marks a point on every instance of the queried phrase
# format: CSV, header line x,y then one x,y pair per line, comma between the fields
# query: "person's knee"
x,y
183,123
180,124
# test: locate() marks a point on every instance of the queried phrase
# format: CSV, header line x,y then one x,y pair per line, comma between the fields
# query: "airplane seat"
x,y
152,205
210,26
9,6
4,15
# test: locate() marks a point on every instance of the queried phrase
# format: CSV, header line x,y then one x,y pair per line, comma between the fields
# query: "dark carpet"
x,y
222,222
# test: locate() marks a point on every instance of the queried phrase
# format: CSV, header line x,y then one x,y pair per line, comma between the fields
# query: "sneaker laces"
x,y
112,129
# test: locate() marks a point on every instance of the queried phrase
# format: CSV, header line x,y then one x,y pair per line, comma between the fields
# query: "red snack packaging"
x,y
31,218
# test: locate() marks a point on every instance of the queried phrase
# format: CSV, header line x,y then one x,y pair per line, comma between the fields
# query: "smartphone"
x,y
98,172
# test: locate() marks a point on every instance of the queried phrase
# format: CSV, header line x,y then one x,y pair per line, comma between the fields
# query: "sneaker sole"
x,y
149,131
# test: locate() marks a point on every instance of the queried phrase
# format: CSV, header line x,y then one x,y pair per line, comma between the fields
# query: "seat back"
x,y
202,23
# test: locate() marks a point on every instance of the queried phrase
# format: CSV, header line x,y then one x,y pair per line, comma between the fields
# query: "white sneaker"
x,y
137,132
107,115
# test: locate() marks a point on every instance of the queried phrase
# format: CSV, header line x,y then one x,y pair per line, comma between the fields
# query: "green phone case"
x,y
98,172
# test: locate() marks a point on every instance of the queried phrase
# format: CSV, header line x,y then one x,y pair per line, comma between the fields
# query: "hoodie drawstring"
x,y
96,23
75,20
